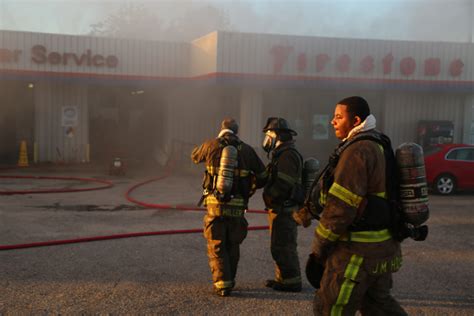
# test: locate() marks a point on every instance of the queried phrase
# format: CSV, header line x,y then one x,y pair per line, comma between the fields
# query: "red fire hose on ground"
x,y
105,185
108,184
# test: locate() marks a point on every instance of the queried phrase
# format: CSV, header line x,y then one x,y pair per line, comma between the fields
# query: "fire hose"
x,y
128,197
106,185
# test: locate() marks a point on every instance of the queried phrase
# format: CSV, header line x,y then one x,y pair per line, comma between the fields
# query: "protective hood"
x,y
368,124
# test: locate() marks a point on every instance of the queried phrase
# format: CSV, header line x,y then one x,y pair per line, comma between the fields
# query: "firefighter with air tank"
x,y
233,172
357,240
283,195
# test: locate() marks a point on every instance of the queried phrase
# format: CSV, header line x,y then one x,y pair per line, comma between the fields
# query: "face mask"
x,y
268,143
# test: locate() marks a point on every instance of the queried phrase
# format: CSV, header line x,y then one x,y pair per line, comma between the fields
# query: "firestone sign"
x,y
41,56
344,63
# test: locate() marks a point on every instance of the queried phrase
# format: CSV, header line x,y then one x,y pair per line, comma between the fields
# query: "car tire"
x,y
445,184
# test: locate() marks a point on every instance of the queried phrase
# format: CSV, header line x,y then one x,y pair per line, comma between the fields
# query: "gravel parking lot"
x,y
169,274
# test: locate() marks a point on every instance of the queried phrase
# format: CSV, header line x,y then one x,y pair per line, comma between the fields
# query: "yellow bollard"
x,y
23,158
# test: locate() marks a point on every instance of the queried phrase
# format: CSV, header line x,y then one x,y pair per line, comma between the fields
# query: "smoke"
x,y
185,20
426,20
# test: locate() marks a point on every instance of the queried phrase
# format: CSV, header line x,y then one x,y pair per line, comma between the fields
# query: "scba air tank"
x,y
310,172
227,165
413,187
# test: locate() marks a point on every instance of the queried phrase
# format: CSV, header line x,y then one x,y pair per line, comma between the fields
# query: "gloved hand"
x,y
302,217
314,271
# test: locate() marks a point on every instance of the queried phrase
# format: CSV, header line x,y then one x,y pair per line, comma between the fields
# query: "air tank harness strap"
x,y
237,172
284,208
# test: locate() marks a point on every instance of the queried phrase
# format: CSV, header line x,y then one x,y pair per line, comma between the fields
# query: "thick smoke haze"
x,y
187,20
426,20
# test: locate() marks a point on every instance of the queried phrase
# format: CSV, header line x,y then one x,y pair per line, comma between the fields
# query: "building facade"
x,y
80,98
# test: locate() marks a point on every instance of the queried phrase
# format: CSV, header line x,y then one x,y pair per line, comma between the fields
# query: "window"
x,y
466,154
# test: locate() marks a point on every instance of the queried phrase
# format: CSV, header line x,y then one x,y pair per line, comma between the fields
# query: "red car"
x,y
449,167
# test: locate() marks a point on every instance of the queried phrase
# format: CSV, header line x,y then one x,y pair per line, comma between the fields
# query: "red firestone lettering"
x,y
321,61
302,62
367,64
455,67
387,64
407,66
343,63
432,66
280,57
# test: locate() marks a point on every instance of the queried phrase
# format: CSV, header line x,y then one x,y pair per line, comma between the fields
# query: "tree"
x,y
197,21
181,21
131,21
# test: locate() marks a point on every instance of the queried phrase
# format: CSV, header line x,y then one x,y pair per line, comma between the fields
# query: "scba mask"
x,y
269,142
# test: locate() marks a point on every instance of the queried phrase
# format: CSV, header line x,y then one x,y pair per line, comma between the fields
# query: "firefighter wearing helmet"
x,y
233,172
283,194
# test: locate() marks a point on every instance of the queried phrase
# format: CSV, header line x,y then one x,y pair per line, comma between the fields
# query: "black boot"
x,y
278,286
222,292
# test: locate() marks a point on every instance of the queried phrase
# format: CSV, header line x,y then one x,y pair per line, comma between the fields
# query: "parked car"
x,y
449,167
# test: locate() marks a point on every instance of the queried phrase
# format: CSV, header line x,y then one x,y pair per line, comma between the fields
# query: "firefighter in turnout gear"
x,y
283,194
353,250
233,172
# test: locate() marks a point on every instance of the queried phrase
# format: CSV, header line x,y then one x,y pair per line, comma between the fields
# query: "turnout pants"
x,y
351,282
283,243
224,235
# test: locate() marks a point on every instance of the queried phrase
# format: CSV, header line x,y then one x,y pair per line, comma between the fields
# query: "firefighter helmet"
x,y
278,124
231,124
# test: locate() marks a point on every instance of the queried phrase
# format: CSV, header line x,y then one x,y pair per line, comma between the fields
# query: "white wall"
x,y
50,135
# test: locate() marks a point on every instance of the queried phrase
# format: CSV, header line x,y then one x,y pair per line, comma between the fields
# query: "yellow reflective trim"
x,y
382,195
212,170
225,212
380,147
288,178
223,284
243,173
347,287
323,197
368,236
211,200
345,195
326,233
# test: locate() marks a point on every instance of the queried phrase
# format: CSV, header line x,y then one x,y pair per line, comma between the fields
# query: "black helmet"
x,y
278,124
230,123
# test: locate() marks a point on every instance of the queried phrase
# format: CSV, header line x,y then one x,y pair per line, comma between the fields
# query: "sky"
x,y
419,20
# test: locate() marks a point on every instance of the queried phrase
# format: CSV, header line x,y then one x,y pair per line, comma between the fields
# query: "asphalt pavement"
x,y
169,274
